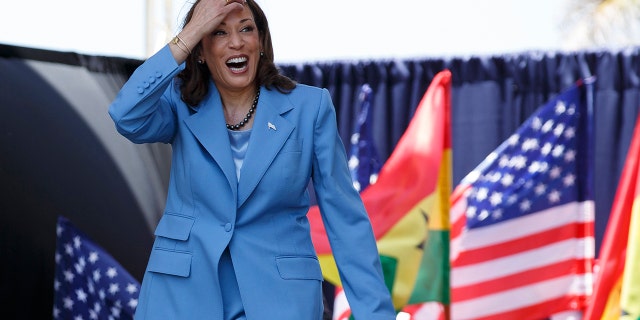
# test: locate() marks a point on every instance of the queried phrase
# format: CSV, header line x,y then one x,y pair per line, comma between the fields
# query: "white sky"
x,y
304,30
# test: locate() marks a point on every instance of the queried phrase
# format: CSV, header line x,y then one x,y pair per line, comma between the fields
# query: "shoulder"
x,y
306,94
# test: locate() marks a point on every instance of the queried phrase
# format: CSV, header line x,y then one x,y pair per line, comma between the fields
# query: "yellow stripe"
x,y
630,295
612,309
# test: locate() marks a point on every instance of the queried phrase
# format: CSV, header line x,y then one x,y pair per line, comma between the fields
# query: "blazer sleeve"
x,y
346,221
143,109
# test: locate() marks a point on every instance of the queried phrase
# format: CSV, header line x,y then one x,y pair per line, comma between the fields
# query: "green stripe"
x,y
432,283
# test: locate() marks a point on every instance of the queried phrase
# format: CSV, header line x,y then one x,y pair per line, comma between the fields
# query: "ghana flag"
x,y
616,293
409,206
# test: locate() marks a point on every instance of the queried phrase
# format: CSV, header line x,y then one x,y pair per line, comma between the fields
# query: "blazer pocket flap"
x,y
299,268
170,262
174,226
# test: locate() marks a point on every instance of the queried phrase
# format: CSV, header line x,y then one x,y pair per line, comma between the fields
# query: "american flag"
x,y
364,162
364,165
522,243
89,283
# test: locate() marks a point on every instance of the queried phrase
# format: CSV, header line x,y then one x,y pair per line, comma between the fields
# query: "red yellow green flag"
x,y
409,206
616,292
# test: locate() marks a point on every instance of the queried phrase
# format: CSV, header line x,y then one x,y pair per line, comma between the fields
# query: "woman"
x,y
234,241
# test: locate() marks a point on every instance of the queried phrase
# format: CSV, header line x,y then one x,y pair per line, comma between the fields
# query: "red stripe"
x,y
560,269
526,243
540,310
457,226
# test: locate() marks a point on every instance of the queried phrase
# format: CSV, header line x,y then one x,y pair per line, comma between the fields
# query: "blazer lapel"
x,y
269,133
208,126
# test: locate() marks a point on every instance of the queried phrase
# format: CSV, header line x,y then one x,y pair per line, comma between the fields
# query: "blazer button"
x,y
227,227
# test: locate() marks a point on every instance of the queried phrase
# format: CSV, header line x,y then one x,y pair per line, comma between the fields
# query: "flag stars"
x,y
513,140
471,212
554,196
81,295
497,214
559,129
93,257
496,198
112,272
115,312
504,161
536,123
67,303
482,194
540,189
78,317
558,151
546,149
96,275
133,303
102,295
354,162
132,288
90,286
547,126
569,180
68,249
484,214
570,133
555,172
507,180
114,288
530,144
76,242
494,176
537,166
519,162
570,156
525,205
68,275
79,266
561,107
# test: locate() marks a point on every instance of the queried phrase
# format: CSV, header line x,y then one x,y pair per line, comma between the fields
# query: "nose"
x,y
235,40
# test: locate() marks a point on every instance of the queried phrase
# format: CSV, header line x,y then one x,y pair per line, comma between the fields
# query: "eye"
x,y
248,29
219,33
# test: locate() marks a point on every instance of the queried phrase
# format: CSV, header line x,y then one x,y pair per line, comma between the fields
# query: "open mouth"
x,y
237,64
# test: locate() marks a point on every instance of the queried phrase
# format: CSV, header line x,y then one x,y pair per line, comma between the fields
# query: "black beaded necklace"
x,y
248,116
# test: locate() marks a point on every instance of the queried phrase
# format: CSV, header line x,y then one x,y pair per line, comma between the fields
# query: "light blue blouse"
x,y
239,143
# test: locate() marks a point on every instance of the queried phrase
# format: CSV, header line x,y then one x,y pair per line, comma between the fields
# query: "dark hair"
x,y
195,77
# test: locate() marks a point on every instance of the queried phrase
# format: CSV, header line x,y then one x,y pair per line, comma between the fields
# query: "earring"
x,y
200,61
262,53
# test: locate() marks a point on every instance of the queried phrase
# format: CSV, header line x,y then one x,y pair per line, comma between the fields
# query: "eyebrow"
x,y
241,21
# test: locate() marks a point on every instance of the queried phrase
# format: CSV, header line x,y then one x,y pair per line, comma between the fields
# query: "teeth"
x,y
237,60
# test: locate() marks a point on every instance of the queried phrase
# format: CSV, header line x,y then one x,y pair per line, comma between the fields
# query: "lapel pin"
x,y
271,126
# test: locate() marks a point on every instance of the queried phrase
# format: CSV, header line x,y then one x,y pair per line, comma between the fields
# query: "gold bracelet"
x,y
177,41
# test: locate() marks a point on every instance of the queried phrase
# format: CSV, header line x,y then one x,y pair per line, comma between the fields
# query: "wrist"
x,y
181,44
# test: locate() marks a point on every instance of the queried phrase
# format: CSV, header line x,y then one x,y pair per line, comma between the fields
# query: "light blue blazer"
x,y
262,217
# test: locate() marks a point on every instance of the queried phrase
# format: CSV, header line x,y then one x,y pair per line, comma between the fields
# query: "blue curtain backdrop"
x,y
491,96
59,153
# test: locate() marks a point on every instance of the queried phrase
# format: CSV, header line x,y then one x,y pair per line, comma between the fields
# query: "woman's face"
x,y
232,51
